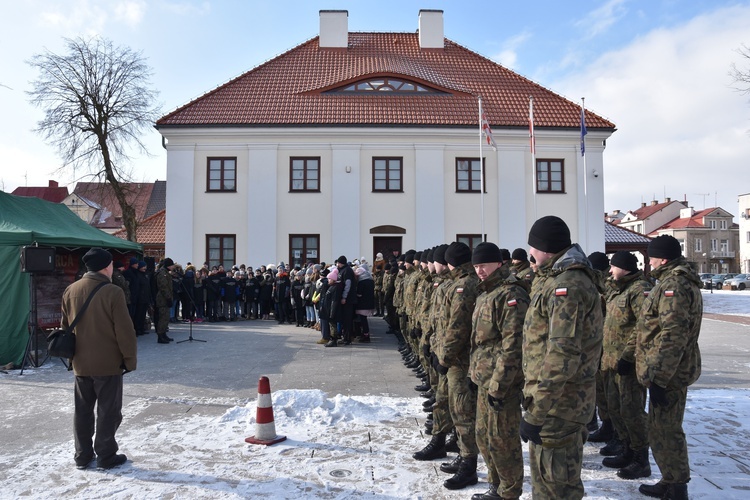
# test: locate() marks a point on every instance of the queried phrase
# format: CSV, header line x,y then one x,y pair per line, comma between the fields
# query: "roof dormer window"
x,y
394,85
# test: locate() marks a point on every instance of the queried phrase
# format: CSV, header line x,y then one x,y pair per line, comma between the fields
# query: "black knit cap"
x,y
409,256
97,259
599,261
625,260
429,255
486,252
168,262
550,234
458,253
505,253
342,260
664,247
439,254
417,256
519,254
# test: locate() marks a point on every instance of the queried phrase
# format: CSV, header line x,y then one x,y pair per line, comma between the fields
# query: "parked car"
x,y
712,280
739,282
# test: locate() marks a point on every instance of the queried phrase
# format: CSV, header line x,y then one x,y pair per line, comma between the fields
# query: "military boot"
x,y
466,475
654,490
603,434
434,449
490,494
422,388
622,459
333,342
452,466
429,402
612,449
451,444
676,491
640,467
161,339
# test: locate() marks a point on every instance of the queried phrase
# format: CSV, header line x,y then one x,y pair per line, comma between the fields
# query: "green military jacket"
x,y
424,302
438,313
164,289
413,275
523,272
398,292
454,342
119,280
562,340
625,299
497,337
667,352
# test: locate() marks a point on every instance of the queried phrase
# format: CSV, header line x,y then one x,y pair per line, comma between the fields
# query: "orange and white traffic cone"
x,y
265,429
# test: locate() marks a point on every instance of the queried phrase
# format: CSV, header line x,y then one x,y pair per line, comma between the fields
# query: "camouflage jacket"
x,y
119,280
497,337
562,340
667,350
398,294
389,281
378,277
437,315
454,342
164,288
625,299
422,299
523,272
413,276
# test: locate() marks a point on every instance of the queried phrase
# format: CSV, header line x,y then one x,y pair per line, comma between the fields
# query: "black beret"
x,y
458,253
550,234
664,247
625,260
486,252
519,254
599,261
97,259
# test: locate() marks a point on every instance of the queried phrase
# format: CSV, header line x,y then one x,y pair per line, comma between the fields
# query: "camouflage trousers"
x,y
667,439
441,417
626,400
499,442
601,396
162,320
556,464
462,403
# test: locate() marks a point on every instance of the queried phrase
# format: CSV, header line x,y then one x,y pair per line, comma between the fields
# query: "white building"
x,y
744,203
354,143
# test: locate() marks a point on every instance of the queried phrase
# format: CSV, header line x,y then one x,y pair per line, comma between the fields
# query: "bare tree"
x,y
97,102
740,76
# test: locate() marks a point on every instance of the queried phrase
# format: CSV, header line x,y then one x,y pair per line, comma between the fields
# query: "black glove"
x,y
413,333
472,386
495,404
530,432
426,351
625,367
442,370
658,395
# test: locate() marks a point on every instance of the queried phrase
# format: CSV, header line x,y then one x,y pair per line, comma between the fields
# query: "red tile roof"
x,y
101,193
291,90
53,194
649,210
150,231
694,222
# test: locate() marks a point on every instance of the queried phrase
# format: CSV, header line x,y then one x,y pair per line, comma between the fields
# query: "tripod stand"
x,y
195,311
33,342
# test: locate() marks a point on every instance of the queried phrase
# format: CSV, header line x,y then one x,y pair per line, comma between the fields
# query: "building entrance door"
x,y
386,245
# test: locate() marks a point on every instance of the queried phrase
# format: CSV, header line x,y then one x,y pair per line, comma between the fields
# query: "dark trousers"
x,y
106,394
139,320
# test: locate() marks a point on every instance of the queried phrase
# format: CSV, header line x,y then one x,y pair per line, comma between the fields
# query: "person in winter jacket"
x,y
365,299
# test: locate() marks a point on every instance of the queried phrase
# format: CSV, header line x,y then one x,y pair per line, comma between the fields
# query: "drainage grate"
x,y
341,473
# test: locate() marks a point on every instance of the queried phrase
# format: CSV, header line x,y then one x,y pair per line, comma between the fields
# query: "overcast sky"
x,y
659,69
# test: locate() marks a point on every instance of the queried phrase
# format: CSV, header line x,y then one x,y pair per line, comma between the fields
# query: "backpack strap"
x,y
85,305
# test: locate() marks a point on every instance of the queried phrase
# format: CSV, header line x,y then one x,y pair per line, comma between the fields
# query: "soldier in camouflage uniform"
x,y
389,288
496,368
164,291
520,266
562,345
627,289
668,360
119,280
452,351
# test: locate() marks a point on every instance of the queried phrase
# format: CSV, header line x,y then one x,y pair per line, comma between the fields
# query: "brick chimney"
x,y
431,29
334,29
53,184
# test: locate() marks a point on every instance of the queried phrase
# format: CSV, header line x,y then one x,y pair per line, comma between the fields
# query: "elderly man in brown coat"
x,y
105,349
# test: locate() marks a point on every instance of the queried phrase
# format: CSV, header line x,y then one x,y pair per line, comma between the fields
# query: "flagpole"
x,y
532,145
481,168
585,173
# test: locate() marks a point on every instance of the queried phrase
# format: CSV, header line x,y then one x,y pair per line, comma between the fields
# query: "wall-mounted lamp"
x,y
348,169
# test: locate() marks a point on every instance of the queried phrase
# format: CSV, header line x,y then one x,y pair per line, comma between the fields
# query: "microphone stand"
x,y
195,311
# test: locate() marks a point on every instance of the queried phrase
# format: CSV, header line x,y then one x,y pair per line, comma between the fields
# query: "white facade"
x,y
744,223
262,213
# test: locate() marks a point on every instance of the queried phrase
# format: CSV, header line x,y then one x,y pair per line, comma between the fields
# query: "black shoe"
x,y
428,403
593,424
114,461
654,490
346,342
161,339
676,491
638,468
427,394
623,459
490,494
422,388
452,466
613,448
332,343
82,464
168,338
465,476
604,434
434,449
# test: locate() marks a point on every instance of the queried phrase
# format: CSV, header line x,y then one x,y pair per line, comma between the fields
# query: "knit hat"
x,y
458,253
117,264
334,274
599,261
168,262
342,260
417,256
486,252
430,255
505,254
625,260
409,256
519,254
549,234
97,259
133,260
142,264
439,254
664,247
423,256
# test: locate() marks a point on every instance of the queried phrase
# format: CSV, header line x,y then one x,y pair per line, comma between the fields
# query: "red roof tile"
x,y
647,211
150,231
291,90
53,194
696,221
101,193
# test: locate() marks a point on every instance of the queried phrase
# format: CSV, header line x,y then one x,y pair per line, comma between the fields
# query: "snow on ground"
x,y
733,302
345,447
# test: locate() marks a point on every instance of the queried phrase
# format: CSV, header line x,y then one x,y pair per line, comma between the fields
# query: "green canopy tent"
x,y
33,221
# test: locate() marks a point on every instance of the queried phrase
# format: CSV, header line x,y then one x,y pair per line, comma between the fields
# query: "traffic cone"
x,y
265,429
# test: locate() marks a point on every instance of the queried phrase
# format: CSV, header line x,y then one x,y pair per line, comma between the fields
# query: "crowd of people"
x,y
509,347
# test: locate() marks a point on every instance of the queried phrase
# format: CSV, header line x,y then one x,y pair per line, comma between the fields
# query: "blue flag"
x,y
583,132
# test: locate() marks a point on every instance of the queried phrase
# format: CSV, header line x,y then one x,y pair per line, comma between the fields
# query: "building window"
x,y
698,245
222,174
304,175
714,245
472,240
387,174
550,176
387,84
712,224
724,246
723,224
468,175
682,246
221,249
303,248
